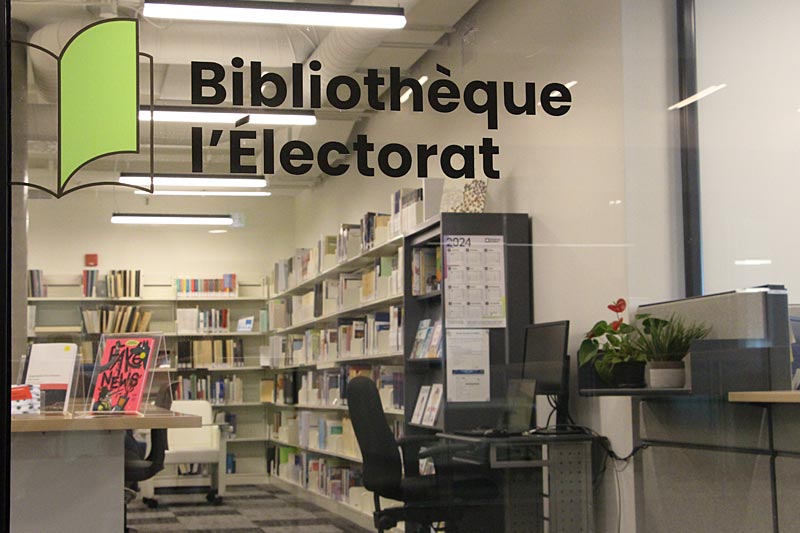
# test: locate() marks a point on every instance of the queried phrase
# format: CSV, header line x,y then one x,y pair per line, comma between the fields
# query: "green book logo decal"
x,y
98,99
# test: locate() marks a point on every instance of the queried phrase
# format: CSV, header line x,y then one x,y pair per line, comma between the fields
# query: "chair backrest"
x,y
382,464
205,437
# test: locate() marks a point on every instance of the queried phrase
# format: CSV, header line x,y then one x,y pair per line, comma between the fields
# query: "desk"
x,y
67,472
518,465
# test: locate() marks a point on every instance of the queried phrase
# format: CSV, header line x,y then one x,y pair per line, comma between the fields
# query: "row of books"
x,y
328,387
333,478
381,279
373,334
206,287
219,391
312,430
428,340
406,210
89,280
193,320
124,283
426,270
36,285
116,319
210,353
352,239
374,229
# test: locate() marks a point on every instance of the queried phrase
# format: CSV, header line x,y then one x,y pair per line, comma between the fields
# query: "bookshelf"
x,y
435,303
62,315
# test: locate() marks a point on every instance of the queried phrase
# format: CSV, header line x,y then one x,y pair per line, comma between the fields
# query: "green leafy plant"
x,y
666,340
608,344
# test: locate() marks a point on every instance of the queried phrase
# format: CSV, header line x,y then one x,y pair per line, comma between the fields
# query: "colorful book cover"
x,y
121,373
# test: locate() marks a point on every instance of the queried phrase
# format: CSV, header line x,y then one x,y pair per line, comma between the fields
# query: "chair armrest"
x,y
410,446
444,450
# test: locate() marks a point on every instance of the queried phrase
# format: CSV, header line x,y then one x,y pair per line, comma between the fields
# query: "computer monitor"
x,y
546,361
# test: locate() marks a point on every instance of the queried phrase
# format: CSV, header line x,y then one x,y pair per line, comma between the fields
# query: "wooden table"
x,y
765,396
67,471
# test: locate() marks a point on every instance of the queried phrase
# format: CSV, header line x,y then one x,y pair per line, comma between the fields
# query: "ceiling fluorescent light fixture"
x,y
293,13
258,117
189,180
206,193
695,97
167,219
406,95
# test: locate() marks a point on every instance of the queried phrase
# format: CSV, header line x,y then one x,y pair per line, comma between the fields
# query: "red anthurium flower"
x,y
616,324
618,306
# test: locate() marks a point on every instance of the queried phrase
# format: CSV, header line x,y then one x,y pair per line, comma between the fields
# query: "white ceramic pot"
x,y
666,374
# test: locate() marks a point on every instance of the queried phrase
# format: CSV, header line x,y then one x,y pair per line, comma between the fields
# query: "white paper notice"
x,y
475,281
467,365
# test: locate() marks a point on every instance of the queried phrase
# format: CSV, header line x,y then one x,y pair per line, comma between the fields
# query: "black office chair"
x,y
138,467
427,500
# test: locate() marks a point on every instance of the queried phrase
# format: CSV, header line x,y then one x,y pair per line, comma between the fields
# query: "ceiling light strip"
x,y
206,193
292,13
171,219
228,116
189,180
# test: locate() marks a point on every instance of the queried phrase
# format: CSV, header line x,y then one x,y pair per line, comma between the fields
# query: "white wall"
x,y
62,231
749,133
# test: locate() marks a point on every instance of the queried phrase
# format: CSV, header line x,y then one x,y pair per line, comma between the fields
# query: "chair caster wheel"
x,y
213,498
151,503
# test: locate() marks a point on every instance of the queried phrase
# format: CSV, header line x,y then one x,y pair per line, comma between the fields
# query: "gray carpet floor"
x,y
245,509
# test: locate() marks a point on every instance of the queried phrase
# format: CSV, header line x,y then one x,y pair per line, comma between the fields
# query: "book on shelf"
x,y
122,373
420,340
377,333
267,390
433,350
280,275
52,366
348,245
395,328
329,296
326,252
278,313
422,402
349,290
36,286
390,380
350,336
432,407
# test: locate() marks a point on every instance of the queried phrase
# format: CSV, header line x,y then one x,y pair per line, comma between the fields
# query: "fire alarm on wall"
x,y
90,260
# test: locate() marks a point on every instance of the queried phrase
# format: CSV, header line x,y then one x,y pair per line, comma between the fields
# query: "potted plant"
x,y
612,350
664,344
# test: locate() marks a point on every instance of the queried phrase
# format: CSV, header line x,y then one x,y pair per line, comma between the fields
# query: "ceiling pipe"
x,y
343,50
